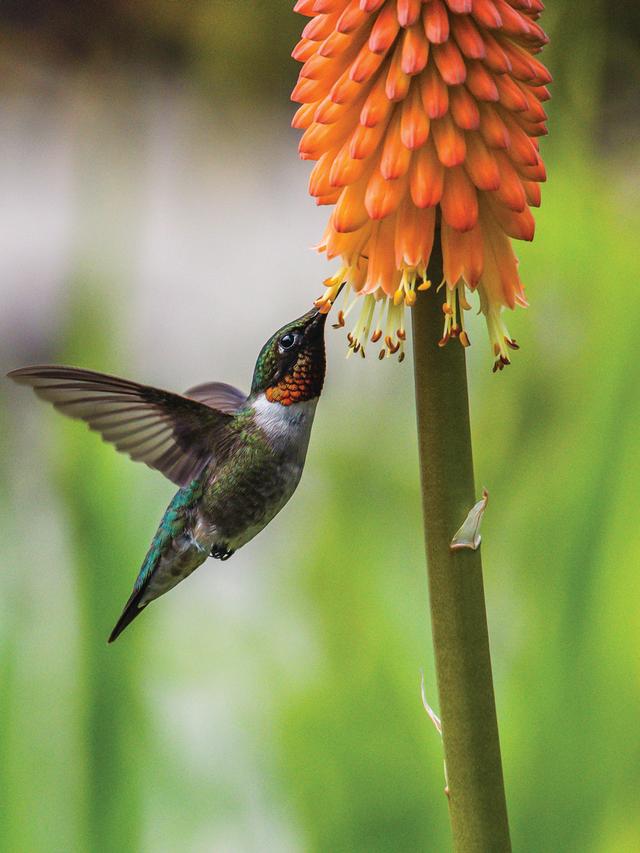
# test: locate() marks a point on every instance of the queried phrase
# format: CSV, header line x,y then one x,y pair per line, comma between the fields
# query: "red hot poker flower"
x,y
423,117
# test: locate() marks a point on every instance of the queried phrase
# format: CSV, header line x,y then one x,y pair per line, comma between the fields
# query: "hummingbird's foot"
x,y
221,552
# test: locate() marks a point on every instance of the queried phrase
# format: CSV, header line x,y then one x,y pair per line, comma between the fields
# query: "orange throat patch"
x,y
303,382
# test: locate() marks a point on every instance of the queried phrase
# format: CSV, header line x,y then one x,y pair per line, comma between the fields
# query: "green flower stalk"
x,y
477,802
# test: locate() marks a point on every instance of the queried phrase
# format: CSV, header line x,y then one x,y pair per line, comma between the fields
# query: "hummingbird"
x,y
237,459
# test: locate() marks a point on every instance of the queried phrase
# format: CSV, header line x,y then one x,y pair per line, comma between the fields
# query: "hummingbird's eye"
x,y
287,341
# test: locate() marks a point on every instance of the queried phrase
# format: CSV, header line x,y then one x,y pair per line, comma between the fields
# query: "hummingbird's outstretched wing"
x,y
218,395
174,434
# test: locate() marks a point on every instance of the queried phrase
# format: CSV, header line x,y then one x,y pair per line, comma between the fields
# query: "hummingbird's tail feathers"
x,y
132,609
176,435
173,555
135,605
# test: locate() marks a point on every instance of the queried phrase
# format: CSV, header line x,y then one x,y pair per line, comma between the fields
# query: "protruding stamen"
x,y
385,315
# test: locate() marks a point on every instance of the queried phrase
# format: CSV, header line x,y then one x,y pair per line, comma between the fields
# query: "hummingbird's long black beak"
x,y
314,321
317,317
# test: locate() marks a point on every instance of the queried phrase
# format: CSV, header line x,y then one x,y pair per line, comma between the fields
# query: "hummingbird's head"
x,y
291,365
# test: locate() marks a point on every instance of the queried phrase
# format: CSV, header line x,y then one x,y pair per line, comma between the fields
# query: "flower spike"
x,y
423,117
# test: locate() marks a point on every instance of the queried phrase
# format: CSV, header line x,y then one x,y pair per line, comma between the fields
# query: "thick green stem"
x,y
461,644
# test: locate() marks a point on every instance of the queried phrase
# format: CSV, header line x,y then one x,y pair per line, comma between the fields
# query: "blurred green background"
x,y
154,222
